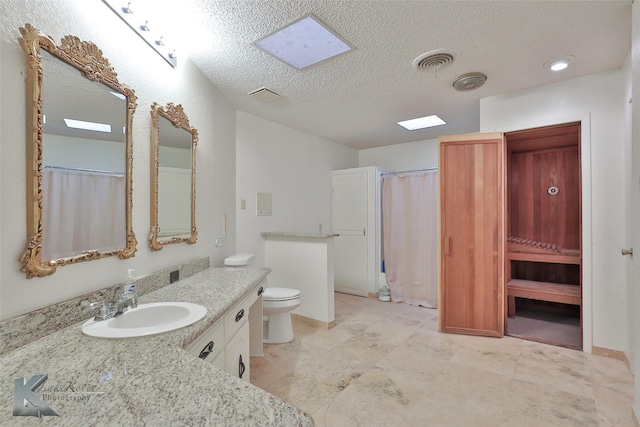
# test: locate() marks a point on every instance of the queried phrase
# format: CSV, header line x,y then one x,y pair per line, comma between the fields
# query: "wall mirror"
x,y
173,177
79,155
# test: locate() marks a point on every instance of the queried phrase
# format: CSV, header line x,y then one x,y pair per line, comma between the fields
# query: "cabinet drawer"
x,y
257,292
210,343
237,316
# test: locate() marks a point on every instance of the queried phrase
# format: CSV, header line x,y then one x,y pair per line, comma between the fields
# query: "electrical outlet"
x,y
174,276
243,204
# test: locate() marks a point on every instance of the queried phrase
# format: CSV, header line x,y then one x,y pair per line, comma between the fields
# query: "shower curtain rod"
x,y
409,171
104,172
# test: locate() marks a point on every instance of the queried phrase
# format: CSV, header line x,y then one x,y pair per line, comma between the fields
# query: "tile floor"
x,y
386,364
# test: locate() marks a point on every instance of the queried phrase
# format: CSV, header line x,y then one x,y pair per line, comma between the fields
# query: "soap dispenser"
x,y
128,298
130,283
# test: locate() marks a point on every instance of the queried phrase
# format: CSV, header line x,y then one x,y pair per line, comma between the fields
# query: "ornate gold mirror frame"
x,y
87,58
175,115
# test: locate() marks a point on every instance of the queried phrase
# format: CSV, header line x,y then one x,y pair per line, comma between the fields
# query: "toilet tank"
x,y
238,260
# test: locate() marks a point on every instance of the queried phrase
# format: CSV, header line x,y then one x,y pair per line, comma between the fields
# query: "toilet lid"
x,y
280,294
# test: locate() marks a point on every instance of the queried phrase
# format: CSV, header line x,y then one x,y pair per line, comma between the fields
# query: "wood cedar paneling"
x,y
533,213
472,235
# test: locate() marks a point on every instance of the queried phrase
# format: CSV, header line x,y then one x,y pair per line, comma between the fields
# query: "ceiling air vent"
x,y
434,60
470,81
264,94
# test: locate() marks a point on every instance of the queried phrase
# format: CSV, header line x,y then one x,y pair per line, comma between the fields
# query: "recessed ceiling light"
x,y
303,43
422,122
559,64
96,127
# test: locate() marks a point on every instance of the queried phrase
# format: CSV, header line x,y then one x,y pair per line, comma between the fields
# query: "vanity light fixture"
x,y
144,30
303,43
81,124
422,122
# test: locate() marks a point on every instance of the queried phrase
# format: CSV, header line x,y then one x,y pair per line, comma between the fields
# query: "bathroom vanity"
x,y
229,343
158,379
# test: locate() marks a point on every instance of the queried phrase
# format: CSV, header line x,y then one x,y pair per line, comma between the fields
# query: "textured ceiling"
x,y
357,98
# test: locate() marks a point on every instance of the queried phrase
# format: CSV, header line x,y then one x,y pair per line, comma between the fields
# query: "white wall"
x,y
401,157
601,99
139,67
295,167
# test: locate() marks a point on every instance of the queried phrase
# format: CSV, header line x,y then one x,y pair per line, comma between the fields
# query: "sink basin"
x,y
146,319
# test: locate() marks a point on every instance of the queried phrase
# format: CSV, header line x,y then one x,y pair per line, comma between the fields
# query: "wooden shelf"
x,y
550,258
542,291
519,249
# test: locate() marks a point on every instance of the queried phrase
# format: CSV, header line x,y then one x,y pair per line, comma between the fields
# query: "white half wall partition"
x,y
304,261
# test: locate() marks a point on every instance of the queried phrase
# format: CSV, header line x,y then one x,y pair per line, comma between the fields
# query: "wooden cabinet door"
x,y
472,234
237,354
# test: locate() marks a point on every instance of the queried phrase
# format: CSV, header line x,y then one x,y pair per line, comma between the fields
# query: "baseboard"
x,y
313,322
634,417
613,354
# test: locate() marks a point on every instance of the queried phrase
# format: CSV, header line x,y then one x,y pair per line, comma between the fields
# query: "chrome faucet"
x,y
107,311
126,300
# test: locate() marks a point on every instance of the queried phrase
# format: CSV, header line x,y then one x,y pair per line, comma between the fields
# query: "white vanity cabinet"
x,y
229,343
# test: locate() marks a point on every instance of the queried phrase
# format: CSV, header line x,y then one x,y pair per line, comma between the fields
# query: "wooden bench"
x,y
542,291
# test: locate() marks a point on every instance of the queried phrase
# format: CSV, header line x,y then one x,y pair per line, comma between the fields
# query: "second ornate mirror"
x,y
173,177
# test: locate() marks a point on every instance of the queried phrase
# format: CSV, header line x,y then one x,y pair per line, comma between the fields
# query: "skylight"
x,y
96,127
422,122
303,43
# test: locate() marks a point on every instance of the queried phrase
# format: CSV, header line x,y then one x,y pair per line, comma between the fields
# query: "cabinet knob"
x,y
240,315
627,251
206,350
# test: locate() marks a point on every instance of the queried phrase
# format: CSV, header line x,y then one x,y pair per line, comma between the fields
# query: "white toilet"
x,y
277,304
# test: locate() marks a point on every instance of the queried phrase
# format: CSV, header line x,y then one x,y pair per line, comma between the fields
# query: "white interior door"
x,y
350,208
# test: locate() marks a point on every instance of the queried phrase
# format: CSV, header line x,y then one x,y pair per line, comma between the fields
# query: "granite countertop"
x,y
299,235
146,380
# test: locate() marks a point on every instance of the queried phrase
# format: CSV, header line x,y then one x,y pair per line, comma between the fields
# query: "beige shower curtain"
x,y
410,237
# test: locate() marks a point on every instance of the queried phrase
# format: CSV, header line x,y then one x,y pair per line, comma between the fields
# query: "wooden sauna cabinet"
x,y
510,211
544,219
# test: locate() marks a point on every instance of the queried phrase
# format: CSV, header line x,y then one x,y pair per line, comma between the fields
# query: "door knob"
x,y
627,251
